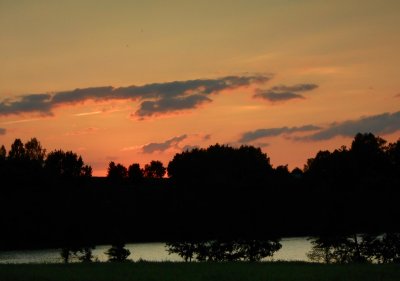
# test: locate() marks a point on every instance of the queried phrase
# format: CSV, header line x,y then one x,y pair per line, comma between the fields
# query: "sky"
x,y
135,81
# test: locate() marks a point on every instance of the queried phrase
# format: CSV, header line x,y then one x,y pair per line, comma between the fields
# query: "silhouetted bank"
x,y
51,200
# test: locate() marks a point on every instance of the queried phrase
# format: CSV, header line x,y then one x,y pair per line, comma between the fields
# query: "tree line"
x,y
218,199
117,253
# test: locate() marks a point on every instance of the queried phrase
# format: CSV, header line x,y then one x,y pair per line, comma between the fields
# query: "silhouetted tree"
x,y
65,254
118,253
393,153
34,151
3,153
330,249
86,254
369,154
135,173
17,151
220,165
255,250
225,250
3,156
389,248
83,254
297,173
154,170
341,249
370,247
185,249
116,172
66,165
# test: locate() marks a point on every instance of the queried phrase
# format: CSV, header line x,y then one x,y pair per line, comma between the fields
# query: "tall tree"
x,y
3,153
34,151
17,151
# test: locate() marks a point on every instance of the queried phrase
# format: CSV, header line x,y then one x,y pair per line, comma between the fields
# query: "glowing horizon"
x,y
135,82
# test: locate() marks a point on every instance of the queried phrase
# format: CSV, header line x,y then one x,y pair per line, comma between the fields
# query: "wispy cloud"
x,y
88,113
154,99
273,132
385,123
162,146
283,93
3,131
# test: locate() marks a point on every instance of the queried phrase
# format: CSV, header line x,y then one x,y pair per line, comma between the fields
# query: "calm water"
x,y
292,249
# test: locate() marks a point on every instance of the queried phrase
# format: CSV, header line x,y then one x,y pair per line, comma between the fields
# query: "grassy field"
x,y
166,271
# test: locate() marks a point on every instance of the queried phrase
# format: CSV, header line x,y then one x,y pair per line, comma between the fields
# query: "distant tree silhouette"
x,y
135,173
34,151
221,165
3,157
86,254
154,170
3,153
393,154
297,173
116,172
83,254
282,176
331,249
65,254
225,250
364,166
34,157
17,151
117,253
185,249
256,249
344,249
66,165
389,248
369,154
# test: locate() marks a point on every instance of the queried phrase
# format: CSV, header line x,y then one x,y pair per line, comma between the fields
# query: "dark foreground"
x,y
199,271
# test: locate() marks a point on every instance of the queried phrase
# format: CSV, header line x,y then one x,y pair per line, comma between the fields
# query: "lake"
x,y
293,249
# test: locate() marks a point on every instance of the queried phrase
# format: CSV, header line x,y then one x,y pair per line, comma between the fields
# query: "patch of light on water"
x,y
293,249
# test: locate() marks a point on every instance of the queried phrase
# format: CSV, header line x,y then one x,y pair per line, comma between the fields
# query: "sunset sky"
x,y
135,81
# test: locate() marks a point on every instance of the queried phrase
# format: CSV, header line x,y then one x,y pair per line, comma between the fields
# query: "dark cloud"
x,y
165,105
272,132
162,146
40,103
2,131
278,96
385,123
283,93
80,95
154,98
295,88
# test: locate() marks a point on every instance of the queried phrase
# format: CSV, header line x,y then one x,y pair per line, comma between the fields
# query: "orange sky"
x,y
156,77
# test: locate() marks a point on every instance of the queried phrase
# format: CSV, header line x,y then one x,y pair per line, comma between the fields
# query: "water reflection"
x,y
292,249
